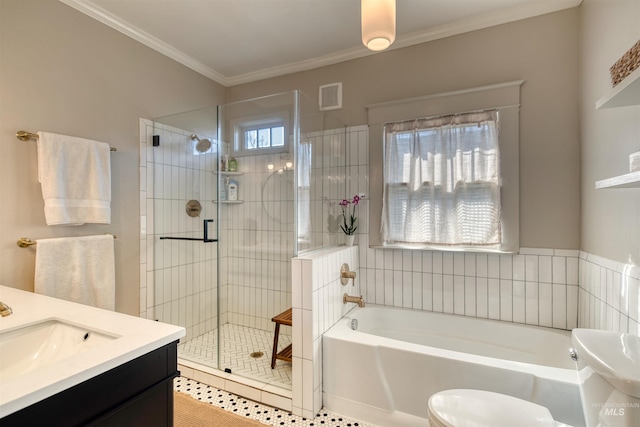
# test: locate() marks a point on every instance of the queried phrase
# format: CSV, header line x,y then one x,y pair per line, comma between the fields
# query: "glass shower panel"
x,y
233,193
182,239
257,231
321,176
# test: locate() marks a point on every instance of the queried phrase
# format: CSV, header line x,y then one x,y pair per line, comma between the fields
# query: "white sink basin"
x,y
613,355
32,346
43,350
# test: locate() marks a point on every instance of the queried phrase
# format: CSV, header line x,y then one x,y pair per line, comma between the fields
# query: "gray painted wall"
x,y
63,72
67,73
542,51
610,218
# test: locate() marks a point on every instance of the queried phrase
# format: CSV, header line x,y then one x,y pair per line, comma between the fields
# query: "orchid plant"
x,y
349,227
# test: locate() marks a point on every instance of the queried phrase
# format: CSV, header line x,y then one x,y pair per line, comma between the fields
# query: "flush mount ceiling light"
x,y
378,23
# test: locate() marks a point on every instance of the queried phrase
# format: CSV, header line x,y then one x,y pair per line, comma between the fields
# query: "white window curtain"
x,y
442,181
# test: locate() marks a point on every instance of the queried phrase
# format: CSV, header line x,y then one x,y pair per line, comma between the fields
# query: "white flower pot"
x,y
349,239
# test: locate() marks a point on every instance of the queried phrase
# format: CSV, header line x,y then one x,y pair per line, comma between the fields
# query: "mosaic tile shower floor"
x,y
238,343
265,414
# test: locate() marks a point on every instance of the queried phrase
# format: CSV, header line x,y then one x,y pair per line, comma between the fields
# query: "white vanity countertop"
x,y
136,337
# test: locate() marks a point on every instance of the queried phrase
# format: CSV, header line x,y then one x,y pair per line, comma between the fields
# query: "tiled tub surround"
x,y
609,295
538,286
317,305
535,287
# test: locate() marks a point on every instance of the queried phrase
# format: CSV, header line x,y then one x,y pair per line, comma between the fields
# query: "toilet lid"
x,y
476,408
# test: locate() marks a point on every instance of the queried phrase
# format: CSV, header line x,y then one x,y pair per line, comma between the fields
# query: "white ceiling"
x,y
239,41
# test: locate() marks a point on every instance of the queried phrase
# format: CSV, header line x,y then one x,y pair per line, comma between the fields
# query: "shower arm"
x,y
205,236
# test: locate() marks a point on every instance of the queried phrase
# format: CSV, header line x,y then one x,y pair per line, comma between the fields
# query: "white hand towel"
x,y
75,175
78,269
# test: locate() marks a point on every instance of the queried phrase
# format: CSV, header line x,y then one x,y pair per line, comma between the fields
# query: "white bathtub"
x,y
384,372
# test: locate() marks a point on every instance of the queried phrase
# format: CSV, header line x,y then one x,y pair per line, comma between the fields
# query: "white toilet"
x,y
608,366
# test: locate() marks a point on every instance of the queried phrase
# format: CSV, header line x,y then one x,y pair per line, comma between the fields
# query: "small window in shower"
x,y
263,137
260,135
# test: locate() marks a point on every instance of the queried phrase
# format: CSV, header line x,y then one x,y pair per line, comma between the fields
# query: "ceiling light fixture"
x,y
378,23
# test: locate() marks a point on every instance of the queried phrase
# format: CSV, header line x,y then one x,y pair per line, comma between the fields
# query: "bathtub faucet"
x,y
357,300
5,310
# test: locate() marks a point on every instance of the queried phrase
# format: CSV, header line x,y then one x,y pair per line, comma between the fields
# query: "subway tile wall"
x,y
535,287
257,236
609,296
317,305
539,286
256,244
178,279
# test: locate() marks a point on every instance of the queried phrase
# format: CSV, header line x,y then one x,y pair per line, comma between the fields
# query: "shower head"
x,y
202,145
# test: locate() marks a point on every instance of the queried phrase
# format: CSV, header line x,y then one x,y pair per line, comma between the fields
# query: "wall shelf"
x,y
226,173
626,93
629,180
229,202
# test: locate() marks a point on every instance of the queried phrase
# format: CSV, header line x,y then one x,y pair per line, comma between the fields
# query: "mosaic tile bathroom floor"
x,y
239,342
265,414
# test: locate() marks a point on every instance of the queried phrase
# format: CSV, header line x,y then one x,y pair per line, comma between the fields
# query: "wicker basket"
x,y
624,66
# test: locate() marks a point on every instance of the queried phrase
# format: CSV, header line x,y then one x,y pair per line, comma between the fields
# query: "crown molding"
x,y
99,14
486,20
478,22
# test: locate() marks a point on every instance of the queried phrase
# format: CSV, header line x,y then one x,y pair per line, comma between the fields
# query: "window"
x,y
501,99
442,181
261,135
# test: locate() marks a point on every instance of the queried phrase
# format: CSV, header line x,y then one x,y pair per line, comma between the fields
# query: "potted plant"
x,y
349,225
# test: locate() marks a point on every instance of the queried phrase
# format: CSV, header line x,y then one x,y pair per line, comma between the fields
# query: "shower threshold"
x,y
251,377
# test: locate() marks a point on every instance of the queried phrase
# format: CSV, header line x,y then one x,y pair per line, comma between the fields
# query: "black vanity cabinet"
x,y
137,393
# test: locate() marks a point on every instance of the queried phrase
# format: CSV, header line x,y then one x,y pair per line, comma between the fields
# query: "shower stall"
x,y
233,193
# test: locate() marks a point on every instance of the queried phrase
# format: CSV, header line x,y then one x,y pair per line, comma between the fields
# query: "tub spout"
x,y
357,300
5,310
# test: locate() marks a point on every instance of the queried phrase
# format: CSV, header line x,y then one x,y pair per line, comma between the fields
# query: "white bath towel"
x,y
75,175
78,269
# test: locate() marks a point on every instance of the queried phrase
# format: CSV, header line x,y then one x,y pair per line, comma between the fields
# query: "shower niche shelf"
x,y
227,173
229,202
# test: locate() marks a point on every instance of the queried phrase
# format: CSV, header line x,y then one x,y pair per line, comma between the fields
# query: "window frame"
x,y
504,97
266,121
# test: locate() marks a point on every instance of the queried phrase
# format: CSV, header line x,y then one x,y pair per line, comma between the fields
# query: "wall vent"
x,y
330,96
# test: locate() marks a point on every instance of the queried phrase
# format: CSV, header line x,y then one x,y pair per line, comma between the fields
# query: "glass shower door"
x,y
184,239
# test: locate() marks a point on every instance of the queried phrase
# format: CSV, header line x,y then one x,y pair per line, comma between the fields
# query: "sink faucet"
x,y
357,300
5,310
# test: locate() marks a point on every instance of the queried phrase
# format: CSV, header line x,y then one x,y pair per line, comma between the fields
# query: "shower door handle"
x,y
205,237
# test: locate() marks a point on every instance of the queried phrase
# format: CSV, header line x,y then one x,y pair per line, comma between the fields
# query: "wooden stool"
x,y
284,318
